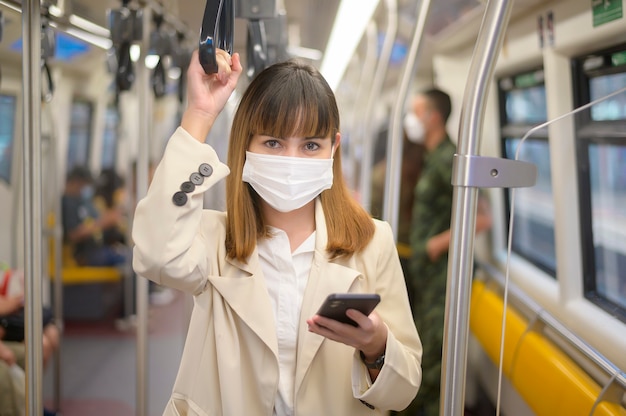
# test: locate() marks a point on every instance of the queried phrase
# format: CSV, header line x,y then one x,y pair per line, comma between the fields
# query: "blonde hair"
x,y
285,100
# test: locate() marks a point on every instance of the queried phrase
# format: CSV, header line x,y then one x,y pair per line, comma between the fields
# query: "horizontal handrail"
x,y
543,316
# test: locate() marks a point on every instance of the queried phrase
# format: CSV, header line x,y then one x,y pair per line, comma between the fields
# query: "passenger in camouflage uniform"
x,y
430,240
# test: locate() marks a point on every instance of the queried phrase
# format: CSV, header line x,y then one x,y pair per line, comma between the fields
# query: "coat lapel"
x,y
325,278
247,295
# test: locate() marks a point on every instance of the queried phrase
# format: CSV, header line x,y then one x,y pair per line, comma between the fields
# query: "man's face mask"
x,y
414,128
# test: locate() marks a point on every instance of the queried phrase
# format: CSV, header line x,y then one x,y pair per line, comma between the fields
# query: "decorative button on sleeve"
x,y
187,187
179,198
196,178
205,169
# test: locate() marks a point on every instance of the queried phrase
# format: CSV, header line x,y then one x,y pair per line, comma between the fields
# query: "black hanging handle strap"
x,y
218,29
256,48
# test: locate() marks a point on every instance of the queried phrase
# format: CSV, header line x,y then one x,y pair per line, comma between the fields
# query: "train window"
x,y
7,131
525,99
80,134
522,107
608,194
533,227
613,108
109,138
601,154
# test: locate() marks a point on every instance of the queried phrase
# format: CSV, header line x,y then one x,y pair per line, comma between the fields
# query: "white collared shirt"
x,y
286,276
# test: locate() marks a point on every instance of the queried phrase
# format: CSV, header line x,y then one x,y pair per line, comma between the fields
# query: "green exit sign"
x,y
605,11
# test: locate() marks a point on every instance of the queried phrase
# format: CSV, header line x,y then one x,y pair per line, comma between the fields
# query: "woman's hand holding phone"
x,y
369,335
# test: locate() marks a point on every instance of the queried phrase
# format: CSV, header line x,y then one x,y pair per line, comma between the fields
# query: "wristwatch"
x,y
377,364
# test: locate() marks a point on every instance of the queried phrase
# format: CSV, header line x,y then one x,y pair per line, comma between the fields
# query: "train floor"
x,y
98,365
99,359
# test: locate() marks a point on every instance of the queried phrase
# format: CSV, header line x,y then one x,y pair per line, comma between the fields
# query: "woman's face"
x,y
310,147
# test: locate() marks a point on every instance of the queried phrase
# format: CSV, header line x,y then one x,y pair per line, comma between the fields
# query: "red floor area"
x,y
99,361
94,407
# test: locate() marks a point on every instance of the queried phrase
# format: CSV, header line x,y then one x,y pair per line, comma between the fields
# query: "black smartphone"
x,y
336,305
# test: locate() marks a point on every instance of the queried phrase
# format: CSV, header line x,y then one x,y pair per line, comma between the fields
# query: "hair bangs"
x,y
295,106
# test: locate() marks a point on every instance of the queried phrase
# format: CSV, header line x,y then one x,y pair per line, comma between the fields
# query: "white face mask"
x,y
414,128
287,183
87,192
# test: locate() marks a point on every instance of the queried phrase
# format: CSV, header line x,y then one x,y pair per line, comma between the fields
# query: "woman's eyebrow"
x,y
316,137
269,136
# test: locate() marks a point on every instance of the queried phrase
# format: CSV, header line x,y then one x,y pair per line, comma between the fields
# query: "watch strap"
x,y
377,364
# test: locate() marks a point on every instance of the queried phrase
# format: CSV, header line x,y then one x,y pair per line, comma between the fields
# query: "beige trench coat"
x,y
229,365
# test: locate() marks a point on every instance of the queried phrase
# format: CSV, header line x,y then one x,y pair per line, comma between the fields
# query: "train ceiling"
x,y
310,21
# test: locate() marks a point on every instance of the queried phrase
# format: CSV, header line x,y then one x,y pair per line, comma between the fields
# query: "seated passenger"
x,y
110,196
12,348
82,224
12,324
12,396
11,399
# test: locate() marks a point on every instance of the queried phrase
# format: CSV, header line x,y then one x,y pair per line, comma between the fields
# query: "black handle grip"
x,y
218,29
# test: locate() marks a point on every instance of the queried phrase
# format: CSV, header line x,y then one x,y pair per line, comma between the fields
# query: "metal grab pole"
x,y
394,141
31,93
355,136
145,119
57,288
463,222
368,137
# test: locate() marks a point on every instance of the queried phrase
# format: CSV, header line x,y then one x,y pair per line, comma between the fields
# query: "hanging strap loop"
x,y
256,48
218,29
125,72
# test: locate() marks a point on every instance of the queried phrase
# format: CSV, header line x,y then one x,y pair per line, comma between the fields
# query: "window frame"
x,y
591,132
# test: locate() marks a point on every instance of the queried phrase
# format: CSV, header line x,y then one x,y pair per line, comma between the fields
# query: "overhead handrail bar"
x,y
547,319
368,136
31,168
61,23
394,140
464,201
218,30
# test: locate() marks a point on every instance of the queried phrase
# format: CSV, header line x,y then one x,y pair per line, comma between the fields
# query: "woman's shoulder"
x,y
214,221
382,233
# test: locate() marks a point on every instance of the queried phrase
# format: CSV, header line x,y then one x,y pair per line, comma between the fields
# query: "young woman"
x,y
259,272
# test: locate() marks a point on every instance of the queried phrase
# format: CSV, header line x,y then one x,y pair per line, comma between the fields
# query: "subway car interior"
x,y
535,313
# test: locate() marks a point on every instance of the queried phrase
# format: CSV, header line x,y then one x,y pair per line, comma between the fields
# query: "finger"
x,y
361,319
326,322
322,330
224,62
220,53
237,68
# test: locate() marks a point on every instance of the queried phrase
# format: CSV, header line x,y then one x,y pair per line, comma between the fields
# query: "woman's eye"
x,y
311,146
272,144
